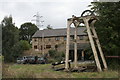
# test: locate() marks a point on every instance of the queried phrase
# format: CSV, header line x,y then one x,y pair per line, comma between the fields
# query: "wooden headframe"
x,y
89,22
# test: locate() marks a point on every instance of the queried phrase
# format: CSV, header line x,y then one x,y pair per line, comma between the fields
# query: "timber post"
x,y
98,44
92,44
75,49
76,24
67,45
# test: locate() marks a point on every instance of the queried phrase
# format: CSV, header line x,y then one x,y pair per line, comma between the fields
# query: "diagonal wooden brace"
x,y
92,44
98,44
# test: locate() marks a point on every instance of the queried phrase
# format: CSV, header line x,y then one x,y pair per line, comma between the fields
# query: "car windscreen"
x,y
40,58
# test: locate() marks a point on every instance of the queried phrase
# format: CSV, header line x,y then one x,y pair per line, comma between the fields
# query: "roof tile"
x,y
58,32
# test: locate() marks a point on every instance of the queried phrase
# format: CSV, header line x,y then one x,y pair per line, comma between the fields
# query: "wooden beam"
x,y
83,55
98,44
76,24
75,48
67,45
92,44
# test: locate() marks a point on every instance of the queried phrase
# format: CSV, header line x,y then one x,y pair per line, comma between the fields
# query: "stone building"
x,y
55,39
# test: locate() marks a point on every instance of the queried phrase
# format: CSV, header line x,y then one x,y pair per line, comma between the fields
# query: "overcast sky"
x,y
54,12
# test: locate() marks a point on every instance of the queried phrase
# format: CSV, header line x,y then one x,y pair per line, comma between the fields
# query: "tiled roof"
x,y
59,32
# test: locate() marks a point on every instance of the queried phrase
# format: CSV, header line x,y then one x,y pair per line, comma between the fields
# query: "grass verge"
x,y
45,71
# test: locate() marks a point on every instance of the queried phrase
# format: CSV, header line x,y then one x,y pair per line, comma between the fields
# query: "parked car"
x,y
21,60
25,59
31,60
41,60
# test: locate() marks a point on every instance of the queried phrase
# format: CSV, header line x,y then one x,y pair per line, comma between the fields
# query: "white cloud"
x,y
54,12
46,0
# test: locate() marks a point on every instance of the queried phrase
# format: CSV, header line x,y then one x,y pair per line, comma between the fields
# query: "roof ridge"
x,y
60,28
58,32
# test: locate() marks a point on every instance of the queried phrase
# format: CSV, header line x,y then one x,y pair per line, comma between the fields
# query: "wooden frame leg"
x,y
75,48
92,45
98,45
67,45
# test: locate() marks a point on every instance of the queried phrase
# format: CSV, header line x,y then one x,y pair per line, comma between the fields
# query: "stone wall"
x,y
58,43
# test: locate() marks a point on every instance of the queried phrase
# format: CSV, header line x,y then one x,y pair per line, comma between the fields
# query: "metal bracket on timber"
x,y
89,20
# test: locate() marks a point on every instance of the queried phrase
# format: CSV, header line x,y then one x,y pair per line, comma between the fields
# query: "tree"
x,y
0,39
11,46
55,55
108,26
27,30
10,36
18,49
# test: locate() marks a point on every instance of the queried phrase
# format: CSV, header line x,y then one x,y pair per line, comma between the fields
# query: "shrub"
x,y
51,60
55,56
52,53
24,44
17,51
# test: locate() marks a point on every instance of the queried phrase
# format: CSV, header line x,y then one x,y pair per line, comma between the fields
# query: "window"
x,y
57,38
71,38
35,39
35,47
65,38
56,46
81,37
48,46
49,39
42,47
